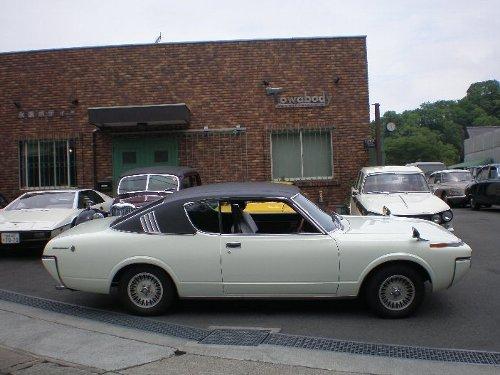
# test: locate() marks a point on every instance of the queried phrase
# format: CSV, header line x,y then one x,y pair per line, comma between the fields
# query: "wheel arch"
x,y
126,264
408,259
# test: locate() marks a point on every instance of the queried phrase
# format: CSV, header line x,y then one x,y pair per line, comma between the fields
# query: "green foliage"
x,y
435,131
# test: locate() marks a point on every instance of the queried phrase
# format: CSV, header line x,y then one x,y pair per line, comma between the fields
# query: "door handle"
x,y
233,245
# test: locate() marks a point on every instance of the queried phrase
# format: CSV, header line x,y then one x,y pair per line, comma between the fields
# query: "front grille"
x,y
34,236
117,210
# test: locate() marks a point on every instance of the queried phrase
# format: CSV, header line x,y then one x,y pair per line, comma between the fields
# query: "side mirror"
x,y
416,235
354,191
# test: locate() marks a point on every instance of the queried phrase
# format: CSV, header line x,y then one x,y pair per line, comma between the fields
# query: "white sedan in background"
x,y
36,217
398,191
230,241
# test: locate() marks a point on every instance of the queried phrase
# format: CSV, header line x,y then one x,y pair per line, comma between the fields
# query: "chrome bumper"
x,y
50,264
462,266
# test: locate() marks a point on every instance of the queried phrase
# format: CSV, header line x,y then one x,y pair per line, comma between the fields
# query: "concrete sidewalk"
x,y
35,341
17,362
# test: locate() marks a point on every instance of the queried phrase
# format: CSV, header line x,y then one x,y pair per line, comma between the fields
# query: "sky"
x,y
418,51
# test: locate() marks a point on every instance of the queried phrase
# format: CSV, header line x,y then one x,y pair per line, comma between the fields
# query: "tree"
x,y
435,131
419,144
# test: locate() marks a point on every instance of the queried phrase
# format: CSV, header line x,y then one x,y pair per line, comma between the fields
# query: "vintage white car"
x,y
398,191
35,217
203,243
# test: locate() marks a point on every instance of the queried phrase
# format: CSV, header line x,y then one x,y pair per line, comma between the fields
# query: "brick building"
x,y
237,110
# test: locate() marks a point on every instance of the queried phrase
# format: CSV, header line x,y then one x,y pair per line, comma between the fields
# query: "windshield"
x,y
328,222
457,176
395,183
43,200
148,182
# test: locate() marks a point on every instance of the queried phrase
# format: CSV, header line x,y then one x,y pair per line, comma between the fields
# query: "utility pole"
x,y
378,134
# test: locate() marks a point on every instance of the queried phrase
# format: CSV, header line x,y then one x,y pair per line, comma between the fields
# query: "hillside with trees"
x,y
435,131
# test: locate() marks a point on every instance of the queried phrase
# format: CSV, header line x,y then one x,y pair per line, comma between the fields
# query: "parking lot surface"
x,y
465,316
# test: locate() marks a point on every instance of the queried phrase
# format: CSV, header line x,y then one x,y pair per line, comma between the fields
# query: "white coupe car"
x,y
35,217
398,191
229,240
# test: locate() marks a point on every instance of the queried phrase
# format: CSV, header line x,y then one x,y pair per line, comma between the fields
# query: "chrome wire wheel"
x,y
396,293
145,290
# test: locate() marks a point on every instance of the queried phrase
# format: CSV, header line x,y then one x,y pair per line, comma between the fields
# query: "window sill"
x,y
37,188
316,182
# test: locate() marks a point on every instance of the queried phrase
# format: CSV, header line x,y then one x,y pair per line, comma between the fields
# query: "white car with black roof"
x,y
255,240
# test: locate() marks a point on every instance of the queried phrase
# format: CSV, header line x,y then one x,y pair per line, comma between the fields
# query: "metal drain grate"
x,y
251,337
123,320
245,337
383,350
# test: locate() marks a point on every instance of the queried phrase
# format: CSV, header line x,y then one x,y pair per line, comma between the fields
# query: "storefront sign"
x,y
302,101
51,113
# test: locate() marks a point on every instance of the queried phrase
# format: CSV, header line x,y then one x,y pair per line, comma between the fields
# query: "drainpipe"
x,y
94,157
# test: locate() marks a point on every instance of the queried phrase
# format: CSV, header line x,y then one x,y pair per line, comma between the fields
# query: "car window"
x,y
437,177
96,198
493,173
159,182
457,176
132,183
395,182
204,216
43,200
483,174
186,183
86,196
263,217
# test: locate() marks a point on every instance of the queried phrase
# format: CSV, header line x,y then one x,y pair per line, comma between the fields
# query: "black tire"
x,y
474,205
162,295
408,289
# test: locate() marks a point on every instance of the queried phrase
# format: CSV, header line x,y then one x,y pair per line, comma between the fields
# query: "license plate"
x,y
10,238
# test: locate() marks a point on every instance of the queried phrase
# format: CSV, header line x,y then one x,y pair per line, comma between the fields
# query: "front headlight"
x,y
59,230
436,218
447,215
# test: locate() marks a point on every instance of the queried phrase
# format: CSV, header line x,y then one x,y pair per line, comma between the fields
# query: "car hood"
x,y
36,219
403,204
381,225
139,199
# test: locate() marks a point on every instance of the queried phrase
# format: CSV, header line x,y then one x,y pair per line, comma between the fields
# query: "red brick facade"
x,y
222,85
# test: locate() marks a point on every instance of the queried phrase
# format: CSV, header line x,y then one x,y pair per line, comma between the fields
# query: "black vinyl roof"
x,y
236,190
170,213
167,169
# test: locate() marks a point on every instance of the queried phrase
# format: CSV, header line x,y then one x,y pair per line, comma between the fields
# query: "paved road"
x,y
466,316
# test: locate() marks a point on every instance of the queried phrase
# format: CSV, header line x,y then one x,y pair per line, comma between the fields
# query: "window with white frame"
x,y
47,163
303,154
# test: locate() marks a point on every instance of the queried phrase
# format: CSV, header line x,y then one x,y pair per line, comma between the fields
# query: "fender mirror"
x,y
416,235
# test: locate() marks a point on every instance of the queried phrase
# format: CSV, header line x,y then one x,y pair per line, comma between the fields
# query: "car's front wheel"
x,y
395,291
146,290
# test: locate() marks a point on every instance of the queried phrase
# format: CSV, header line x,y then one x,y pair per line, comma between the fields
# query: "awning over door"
x,y
143,115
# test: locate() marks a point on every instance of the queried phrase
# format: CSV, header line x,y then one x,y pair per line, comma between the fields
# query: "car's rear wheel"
x,y
395,291
473,204
146,290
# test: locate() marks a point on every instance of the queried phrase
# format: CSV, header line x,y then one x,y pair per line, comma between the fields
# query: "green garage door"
x,y
142,152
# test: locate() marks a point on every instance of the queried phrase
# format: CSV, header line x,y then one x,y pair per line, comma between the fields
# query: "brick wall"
x,y
221,83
